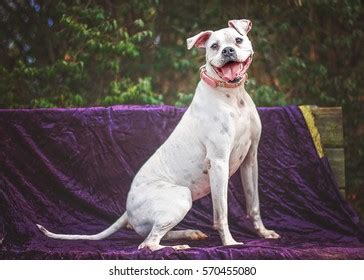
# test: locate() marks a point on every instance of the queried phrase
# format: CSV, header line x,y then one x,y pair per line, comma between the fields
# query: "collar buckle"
x,y
221,84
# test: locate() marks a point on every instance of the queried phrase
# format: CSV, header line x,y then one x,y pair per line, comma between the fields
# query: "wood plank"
x,y
329,122
336,158
343,193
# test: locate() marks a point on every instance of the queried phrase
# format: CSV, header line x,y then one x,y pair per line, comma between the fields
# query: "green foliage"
x,y
184,99
265,95
127,92
88,57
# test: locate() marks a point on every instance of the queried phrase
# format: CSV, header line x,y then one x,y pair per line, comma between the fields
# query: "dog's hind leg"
x,y
152,242
165,216
190,234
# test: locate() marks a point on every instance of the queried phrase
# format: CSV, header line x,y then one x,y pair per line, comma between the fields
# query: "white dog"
x,y
218,133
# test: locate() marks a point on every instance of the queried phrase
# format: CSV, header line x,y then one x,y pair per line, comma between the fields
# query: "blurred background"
x,y
92,53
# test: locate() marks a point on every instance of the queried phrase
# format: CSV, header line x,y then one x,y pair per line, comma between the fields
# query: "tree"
x,y
73,54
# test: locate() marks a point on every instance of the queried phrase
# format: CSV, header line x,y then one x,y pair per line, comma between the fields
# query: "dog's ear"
x,y
243,26
199,40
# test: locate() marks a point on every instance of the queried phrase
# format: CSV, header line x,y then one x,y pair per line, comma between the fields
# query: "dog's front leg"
x,y
219,174
249,178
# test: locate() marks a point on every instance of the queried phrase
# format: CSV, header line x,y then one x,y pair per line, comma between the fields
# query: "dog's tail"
x,y
121,222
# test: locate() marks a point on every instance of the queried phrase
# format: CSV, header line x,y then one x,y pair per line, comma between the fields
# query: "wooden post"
x,y
329,122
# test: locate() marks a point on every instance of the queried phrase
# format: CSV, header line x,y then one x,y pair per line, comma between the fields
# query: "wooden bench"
x,y
329,122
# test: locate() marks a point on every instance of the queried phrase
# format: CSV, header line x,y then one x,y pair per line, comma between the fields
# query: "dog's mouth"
x,y
233,71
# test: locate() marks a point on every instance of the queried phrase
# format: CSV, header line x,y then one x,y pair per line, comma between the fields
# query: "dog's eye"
x,y
214,46
238,40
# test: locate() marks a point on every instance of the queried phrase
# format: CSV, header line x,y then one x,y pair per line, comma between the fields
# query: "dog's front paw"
x,y
268,234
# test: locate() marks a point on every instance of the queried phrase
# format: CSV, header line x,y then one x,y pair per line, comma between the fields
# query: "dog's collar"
x,y
218,83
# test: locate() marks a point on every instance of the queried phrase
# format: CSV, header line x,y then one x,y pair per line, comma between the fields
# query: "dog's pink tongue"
x,y
230,71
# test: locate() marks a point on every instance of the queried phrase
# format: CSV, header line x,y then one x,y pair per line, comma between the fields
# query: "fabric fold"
x,y
70,170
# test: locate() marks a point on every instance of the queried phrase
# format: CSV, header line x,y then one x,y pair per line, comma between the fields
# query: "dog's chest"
x,y
247,128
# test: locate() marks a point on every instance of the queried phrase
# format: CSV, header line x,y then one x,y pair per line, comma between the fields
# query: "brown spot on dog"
x,y
249,193
241,157
241,102
208,164
187,176
224,128
227,95
205,171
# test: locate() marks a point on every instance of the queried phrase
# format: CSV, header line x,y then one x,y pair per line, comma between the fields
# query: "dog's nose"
x,y
228,51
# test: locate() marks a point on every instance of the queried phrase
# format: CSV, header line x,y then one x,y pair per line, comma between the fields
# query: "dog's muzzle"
x,y
232,70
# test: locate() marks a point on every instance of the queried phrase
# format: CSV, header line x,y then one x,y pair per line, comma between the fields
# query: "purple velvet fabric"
x,y
70,170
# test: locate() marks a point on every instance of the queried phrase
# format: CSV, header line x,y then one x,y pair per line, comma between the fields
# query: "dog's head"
x,y
229,51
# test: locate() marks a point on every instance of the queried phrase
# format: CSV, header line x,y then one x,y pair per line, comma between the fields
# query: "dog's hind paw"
x,y
198,235
155,247
233,243
181,247
268,234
